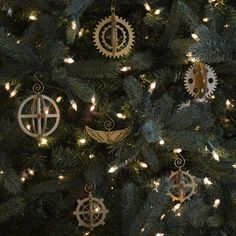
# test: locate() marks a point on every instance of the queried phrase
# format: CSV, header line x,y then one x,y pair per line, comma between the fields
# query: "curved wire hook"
x,y
38,87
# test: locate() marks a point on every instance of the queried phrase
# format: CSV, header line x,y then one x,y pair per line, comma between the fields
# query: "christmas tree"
x,y
130,127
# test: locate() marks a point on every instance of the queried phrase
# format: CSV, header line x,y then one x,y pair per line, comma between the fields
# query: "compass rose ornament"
x,y
200,80
38,115
113,36
90,212
183,184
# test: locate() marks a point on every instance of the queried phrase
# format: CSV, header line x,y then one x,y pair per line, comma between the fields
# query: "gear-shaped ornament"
x,y
38,115
200,80
114,36
90,212
182,187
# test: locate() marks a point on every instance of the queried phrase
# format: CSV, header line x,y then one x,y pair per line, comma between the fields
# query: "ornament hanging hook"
x,y
113,7
38,87
109,124
89,187
179,161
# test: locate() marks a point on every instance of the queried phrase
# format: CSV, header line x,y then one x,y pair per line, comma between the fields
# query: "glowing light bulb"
x,y
215,155
142,230
207,181
213,97
195,37
61,177
163,216
31,171
152,87
82,141
162,142
18,41
159,234
177,150
121,116
1,172
23,179
234,166
58,99
73,104
176,207
226,25
7,86
86,234
46,110
205,19
69,60
43,142
113,169
73,25
13,93
143,165
28,126
158,11
126,68
81,32
216,203
91,156
93,100
33,17
147,6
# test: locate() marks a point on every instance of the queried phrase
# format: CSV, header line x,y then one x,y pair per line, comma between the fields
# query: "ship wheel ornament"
x,y
114,36
90,212
200,80
183,185
38,115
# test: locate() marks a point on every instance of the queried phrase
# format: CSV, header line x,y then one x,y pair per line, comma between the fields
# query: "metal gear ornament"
x,y
91,211
114,36
200,80
183,185
38,115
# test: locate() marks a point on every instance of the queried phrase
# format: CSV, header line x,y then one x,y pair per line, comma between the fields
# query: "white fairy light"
x,y
91,156
28,126
82,141
1,172
158,11
73,104
61,177
18,41
213,97
159,234
162,142
234,166
177,150
31,171
43,142
147,6
87,233
207,181
58,99
69,60
216,203
81,32
113,169
121,116
33,17
13,93
226,25
73,25
215,155
152,87
125,68
93,101
143,165
7,86
46,110
163,216
142,230
176,207
205,19
195,37
23,179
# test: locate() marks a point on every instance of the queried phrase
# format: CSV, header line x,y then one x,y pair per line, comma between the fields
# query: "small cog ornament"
x,y
91,211
38,115
183,185
114,36
200,80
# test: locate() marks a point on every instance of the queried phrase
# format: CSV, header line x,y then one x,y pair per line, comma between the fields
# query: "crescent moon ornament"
x,y
114,36
200,80
38,115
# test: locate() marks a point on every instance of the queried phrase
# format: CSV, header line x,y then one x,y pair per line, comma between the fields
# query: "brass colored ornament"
x,y
108,136
38,115
90,212
183,185
200,80
114,36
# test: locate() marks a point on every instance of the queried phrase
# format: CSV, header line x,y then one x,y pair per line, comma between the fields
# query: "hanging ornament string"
x,y
38,87
113,7
113,29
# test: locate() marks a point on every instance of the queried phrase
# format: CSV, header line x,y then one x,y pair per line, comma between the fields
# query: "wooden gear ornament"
x,y
183,185
108,136
38,115
90,212
114,36
200,80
